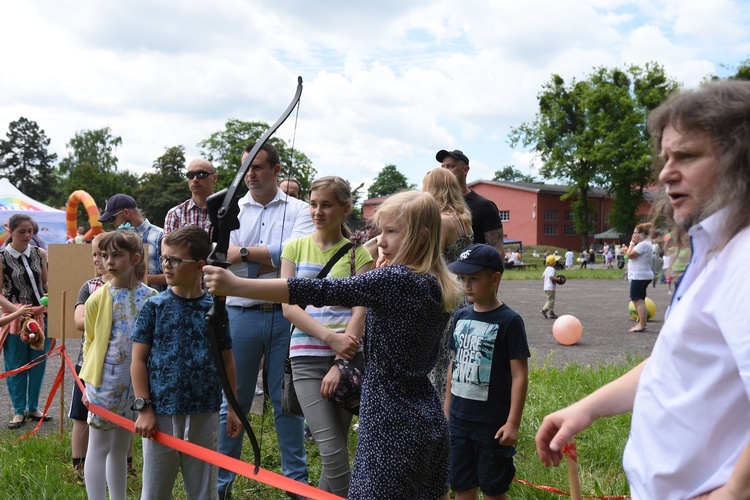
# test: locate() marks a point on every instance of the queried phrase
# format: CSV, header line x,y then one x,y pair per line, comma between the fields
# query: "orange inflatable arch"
x,y
71,215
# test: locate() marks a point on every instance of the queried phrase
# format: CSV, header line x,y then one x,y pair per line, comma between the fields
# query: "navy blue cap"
x,y
115,204
477,257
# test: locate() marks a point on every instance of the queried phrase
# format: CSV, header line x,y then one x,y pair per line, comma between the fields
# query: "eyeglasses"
x,y
173,262
201,174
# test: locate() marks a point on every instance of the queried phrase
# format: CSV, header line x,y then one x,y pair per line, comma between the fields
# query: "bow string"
x,y
223,211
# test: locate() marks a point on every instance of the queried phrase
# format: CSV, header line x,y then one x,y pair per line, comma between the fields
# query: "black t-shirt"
x,y
484,343
484,216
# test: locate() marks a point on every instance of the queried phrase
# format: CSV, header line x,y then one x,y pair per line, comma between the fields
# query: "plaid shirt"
x,y
186,214
152,235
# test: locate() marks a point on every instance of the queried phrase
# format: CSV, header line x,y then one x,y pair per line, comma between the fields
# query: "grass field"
x,y
39,468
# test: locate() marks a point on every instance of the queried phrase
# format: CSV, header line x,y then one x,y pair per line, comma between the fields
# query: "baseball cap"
x,y
551,259
115,204
458,155
477,257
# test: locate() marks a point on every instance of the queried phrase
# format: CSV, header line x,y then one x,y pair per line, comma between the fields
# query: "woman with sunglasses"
x,y
201,178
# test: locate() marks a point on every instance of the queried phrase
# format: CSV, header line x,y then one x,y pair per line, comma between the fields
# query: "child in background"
x,y
322,335
488,380
110,316
403,449
550,285
79,437
175,379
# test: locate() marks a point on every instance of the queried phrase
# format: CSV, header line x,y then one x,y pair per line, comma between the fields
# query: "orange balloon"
x,y
567,329
92,210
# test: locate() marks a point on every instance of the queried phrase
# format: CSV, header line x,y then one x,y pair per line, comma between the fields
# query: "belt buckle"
x,y
267,306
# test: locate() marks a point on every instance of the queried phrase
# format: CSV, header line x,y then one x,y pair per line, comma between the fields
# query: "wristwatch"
x,y
243,254
140,403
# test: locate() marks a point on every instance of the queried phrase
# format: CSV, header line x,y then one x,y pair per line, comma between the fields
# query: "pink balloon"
x,y
567,329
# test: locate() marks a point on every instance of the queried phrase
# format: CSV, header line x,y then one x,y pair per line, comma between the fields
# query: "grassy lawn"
x,y
40,467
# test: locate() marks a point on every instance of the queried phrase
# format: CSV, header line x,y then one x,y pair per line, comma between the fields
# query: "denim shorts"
x,y
478,459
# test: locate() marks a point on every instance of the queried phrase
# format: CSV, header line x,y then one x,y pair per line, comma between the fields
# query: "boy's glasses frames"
x,y
173,262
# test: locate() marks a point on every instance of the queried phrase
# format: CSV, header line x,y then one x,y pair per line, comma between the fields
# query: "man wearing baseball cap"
x,y
485,218
122,212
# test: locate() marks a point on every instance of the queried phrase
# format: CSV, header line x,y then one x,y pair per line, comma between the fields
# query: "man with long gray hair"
x,y
690,400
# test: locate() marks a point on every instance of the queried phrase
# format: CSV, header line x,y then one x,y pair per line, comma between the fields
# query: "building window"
x,y
550,214
593,216
504,215
550,229
568,216
569,230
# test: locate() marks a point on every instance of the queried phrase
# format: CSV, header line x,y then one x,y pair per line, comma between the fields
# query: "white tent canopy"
x,y
52,223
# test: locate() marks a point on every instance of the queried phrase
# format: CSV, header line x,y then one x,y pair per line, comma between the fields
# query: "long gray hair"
x,y
721,110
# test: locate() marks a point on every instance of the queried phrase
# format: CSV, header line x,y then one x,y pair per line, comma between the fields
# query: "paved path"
x,y
601,305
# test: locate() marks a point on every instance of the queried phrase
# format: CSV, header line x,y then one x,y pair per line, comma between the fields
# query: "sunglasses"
x,y
201,174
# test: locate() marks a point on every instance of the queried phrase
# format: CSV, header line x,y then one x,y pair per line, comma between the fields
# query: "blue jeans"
x,y
254,334
24,387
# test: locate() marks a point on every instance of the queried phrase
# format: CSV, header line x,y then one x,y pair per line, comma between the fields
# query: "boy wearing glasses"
x,y
201,178
174,376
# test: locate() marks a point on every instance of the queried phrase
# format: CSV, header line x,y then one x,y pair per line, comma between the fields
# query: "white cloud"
x,y
385,82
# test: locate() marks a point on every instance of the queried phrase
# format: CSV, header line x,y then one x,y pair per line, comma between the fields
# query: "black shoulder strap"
x,y
324,272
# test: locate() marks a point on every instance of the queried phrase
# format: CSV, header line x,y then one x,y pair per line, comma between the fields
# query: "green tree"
x,y
620,102
592,133
743,71
165,188
224,149
561,137
91,165
389,181
25,161
355,217
510,174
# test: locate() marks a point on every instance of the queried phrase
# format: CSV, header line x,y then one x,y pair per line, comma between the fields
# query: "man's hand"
x,y
556,429
234,426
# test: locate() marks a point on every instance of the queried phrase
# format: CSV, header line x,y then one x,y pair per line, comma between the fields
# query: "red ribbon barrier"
x,y
215,458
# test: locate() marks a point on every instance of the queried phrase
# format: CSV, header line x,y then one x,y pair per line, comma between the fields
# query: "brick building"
x,y
535,214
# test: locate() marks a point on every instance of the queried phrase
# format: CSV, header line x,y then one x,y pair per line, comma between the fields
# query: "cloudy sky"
x,y
391,81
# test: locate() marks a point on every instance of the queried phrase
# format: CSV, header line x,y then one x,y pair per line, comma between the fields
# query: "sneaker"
x,y
78,475
544,313
132,473
258,391
308,434
553,315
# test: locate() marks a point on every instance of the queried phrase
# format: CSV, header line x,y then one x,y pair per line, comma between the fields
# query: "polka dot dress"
x,y
403,445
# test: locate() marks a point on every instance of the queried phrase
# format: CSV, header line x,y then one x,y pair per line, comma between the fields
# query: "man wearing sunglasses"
x,y
201,178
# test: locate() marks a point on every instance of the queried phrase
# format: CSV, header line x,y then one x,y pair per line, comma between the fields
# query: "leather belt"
x,y
265,307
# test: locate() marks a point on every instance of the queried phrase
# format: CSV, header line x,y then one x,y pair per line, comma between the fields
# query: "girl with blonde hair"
x,y
325,337
455,215
403,447
456,235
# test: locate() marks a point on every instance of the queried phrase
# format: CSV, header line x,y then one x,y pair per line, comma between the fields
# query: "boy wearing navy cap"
x,y
487,381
